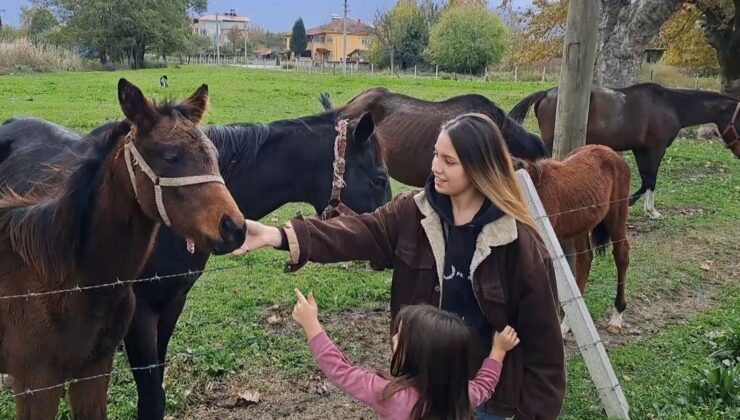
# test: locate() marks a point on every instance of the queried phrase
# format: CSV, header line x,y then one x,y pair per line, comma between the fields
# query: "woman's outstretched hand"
x,y
259,236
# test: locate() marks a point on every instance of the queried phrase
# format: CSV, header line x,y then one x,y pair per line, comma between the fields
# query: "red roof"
x,y
335,26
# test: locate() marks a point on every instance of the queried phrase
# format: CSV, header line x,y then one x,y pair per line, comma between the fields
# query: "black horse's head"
x,y
366,176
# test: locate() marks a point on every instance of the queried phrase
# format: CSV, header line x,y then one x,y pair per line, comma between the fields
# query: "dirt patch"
x,y
363,335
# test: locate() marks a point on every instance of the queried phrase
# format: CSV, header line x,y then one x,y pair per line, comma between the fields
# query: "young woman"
x,y
467,244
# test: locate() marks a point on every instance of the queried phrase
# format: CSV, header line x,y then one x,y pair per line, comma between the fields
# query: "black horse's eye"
x,y
380,181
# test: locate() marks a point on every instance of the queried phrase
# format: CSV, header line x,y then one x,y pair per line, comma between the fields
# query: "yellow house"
x,y
326,42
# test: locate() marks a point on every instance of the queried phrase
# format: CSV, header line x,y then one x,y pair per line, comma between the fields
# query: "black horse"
x,y
644,118
264,167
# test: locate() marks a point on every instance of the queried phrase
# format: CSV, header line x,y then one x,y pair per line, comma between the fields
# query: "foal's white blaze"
x,y
190,245
650,205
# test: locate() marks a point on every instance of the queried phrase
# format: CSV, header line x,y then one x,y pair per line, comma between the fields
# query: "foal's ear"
x,y
135,106
364,128
196,106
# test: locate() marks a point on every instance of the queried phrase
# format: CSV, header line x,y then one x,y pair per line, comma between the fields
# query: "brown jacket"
x,y
513,281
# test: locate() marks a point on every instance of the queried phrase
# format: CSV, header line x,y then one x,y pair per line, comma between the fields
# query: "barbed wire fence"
x,y
608,387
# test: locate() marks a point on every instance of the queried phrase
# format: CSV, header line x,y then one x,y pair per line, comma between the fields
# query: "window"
x,y
329,39
365,41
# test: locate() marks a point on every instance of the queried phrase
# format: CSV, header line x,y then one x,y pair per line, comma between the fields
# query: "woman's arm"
x,y
538,327
369,236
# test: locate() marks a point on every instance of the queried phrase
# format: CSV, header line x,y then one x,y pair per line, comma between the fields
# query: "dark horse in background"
x,y
407,128
264,167
644,118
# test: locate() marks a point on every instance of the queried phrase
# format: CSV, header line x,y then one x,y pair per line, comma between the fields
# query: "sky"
x,y
274,15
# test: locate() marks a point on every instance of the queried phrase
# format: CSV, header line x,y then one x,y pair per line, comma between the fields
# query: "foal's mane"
x,y
48,227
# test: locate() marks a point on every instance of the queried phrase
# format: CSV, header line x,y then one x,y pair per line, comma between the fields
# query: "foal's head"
x,y
167,148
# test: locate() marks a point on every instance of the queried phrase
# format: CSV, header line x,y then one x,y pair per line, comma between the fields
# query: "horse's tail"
x,y
520,110
325,100
600,238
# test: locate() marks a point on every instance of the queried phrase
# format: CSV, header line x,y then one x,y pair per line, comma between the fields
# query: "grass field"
x,y
236,335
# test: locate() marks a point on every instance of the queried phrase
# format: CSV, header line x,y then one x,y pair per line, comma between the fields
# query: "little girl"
x,y
433,359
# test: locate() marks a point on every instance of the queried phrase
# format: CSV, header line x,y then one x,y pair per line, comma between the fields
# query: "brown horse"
x,y
90,224
644,118
407,128
587,193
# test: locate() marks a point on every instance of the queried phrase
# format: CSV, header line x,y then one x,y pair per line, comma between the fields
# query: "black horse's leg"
x,y
642,158
141,348
656,158
166,326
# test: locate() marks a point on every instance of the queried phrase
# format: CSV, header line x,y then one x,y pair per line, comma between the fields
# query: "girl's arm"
x,y
481,388
355,381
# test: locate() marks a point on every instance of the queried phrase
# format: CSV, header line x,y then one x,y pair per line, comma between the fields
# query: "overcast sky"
x,y
275,15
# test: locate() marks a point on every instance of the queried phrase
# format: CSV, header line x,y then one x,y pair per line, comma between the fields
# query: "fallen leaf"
x,y
247,398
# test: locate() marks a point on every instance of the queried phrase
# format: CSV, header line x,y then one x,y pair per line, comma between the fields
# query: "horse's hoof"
x,y
6,380
613,329
655,215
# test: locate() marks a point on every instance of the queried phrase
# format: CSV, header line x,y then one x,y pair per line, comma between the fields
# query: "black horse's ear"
x,y
135,106
364,128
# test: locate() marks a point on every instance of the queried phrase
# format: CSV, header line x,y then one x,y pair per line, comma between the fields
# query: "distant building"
x,y
219,24
326,44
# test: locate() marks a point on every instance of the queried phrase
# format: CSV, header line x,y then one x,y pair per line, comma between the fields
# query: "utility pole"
x,y
344,29
246,35
576,75
218,41
1,18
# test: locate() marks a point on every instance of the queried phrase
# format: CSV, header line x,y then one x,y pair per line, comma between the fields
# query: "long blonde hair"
x,y
485,158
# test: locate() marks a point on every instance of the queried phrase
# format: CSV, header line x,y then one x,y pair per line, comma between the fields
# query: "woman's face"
x,y
449,175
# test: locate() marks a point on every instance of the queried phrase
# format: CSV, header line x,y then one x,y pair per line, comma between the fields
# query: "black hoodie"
x,y
460,243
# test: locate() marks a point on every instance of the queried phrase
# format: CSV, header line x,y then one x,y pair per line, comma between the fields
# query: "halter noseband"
x,y
731,126
134,158
335,206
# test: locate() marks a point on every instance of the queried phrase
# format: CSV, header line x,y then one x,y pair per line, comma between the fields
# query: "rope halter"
x,y
134,158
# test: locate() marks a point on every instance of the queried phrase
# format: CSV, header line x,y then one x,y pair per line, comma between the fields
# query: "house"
x,y
219,25
326,44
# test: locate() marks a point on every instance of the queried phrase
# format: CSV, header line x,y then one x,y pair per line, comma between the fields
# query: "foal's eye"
x,y
170,158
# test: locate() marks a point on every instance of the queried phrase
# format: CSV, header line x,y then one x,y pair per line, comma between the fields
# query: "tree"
x,y
625,31
124,29
721,24
403,33
298,39
38,23
684,42
542,36
467,39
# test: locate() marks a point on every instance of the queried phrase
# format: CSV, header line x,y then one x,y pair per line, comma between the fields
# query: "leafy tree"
x,y
467,39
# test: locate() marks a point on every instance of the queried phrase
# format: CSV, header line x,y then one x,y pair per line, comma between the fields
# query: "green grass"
x,y
221,332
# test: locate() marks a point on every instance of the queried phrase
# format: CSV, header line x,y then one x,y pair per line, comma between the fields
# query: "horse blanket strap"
x,y
731,126
336,207
134,158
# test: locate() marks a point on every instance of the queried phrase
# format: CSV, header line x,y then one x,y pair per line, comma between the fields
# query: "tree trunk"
x,y
722,32
625,30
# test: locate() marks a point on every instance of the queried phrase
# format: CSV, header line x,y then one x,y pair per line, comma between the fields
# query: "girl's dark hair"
x,y
435,355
